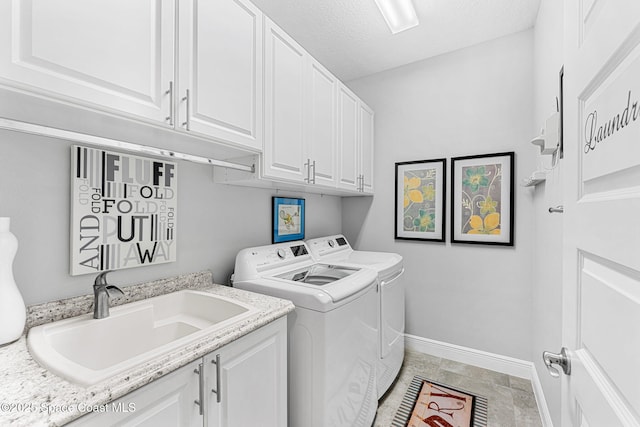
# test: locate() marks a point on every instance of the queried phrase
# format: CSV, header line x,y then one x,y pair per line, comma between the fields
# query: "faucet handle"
x,y
101,279
114,288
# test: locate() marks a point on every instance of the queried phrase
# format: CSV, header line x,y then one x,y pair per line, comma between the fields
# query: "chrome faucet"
x,y
101,295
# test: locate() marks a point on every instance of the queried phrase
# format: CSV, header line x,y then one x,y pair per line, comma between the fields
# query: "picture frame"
x,y
120,217
482,201
287,219
420,200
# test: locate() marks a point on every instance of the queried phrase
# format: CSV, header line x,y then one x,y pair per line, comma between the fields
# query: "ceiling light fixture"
x,y
399,14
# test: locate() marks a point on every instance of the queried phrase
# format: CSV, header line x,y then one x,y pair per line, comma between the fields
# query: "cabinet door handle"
x,y
217,390
308,166
170,93
186,123
313,165
200,401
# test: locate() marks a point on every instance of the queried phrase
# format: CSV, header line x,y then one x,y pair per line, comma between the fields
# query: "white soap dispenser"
x,y
12,310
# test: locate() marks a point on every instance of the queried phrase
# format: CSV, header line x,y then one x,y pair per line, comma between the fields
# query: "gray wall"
x,y
547,279
472,101
215,221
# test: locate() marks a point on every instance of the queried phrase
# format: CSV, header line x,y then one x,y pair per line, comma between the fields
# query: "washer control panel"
x,y
328,245
272,256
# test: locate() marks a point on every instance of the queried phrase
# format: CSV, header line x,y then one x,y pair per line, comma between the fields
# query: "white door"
x,y
166,402
284,152
348,153
366,148
116,55
321,129
601,259
220,59
249,377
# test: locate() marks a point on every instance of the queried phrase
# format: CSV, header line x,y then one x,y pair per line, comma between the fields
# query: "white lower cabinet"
x,y
246,380
166,402
242,384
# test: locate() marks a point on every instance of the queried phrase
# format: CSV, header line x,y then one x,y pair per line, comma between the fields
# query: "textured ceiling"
x,y
351,39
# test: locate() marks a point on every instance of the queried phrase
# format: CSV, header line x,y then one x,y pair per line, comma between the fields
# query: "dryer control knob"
x,y
332,243
281,253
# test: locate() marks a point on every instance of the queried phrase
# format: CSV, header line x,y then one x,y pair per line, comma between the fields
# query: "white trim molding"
x,y
482,359
545,415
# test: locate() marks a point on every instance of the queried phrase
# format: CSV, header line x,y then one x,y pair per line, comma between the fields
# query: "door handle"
x,y
200,401
187,123
169,92
217,390
561,360
308,167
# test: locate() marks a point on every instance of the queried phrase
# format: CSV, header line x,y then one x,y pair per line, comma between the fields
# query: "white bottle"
x,y
12,310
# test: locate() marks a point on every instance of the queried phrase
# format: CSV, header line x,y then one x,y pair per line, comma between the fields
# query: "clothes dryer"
x,y
332,332
391,306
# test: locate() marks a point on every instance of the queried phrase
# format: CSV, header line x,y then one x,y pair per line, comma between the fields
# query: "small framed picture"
x,y
420,200
482,199
288,219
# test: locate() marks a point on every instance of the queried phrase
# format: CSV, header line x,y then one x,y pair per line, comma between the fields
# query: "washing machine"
x,y
389,267
332,333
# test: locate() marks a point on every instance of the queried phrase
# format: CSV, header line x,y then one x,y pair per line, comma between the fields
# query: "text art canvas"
x,y
124,211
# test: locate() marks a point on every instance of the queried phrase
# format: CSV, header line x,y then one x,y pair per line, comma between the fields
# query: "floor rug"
x,y
430,404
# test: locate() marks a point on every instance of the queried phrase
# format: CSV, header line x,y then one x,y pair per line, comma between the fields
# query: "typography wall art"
x,y
123,211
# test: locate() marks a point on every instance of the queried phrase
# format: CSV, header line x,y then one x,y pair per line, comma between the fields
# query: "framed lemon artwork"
x,y
482,199
420,200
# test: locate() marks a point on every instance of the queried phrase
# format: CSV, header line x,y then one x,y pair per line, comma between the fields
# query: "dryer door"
x,y
391,314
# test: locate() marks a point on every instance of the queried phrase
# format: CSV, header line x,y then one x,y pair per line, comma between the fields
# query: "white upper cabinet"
x,y
220,70
355,143
348,131
366,148
321,125
284,151
116,55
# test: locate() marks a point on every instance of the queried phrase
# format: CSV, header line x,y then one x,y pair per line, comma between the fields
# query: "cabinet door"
x,y
321,129
116,55
284,151
166,402
366,147
252,386
220,59
348,152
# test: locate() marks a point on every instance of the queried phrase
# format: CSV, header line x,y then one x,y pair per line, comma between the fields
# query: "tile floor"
x,y
510,399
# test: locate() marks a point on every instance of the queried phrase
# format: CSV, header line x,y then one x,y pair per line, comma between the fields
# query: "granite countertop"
x,y
30,395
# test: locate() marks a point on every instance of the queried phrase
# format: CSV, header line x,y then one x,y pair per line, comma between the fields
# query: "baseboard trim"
x,y
495,362
483,359
545,415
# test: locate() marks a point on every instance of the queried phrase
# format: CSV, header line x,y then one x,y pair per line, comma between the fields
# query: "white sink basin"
x,y
86,351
